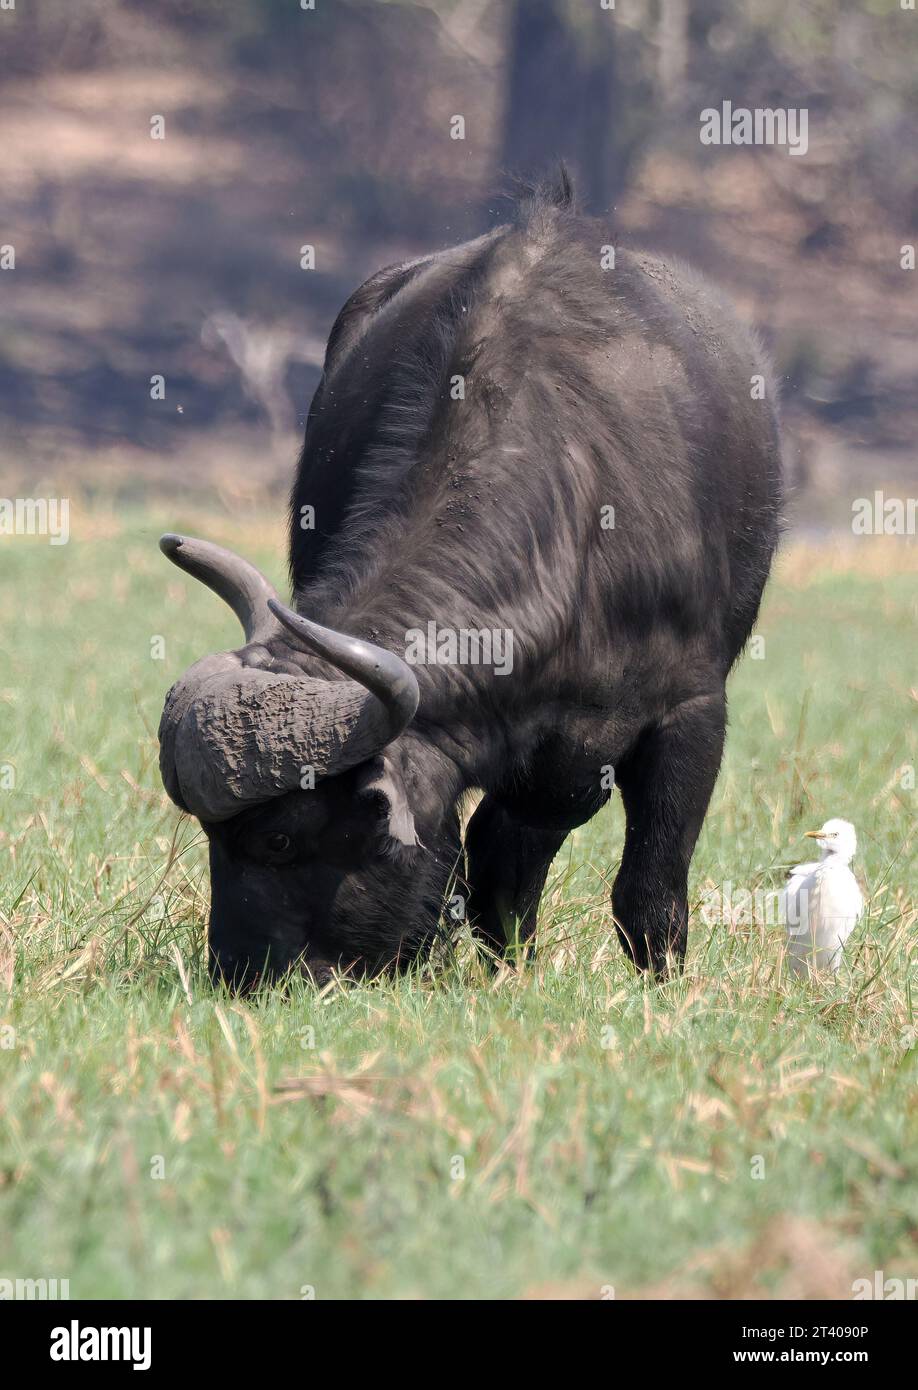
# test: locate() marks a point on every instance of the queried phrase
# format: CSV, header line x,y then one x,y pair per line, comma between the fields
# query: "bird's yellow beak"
x,y
811,834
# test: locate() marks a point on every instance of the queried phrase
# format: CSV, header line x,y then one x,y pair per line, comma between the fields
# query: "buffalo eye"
x,y
278,843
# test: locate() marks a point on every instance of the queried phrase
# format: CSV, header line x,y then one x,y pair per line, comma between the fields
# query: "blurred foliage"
x,y
332,127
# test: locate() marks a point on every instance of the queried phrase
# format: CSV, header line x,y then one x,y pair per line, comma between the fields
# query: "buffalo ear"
x,y
379,781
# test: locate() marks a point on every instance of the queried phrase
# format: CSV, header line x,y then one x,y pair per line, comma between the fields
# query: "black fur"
x,y
584,388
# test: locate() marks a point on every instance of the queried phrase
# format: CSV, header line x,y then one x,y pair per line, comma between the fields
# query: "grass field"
x,y
558,1132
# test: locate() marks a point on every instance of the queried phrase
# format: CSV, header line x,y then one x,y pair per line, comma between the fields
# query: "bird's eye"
x,y
278,843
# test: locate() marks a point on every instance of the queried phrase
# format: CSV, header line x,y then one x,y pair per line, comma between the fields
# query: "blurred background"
x,y
287,126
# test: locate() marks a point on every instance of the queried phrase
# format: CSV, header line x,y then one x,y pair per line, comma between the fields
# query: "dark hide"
x,y
584,389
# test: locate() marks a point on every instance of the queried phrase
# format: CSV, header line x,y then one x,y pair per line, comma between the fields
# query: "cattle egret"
x,y
822,901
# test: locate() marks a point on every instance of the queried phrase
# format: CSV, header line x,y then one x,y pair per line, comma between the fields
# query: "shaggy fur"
x,y
584,389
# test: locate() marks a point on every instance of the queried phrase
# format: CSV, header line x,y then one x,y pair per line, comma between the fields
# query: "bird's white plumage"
x,y
822,902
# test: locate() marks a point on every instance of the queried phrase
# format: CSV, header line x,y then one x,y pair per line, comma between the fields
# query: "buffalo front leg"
x,y
508,863
666,782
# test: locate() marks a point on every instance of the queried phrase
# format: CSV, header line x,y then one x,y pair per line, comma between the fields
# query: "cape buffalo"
x,y
565,453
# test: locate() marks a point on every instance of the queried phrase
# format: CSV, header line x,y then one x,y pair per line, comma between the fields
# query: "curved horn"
x,y
239,728
240,584
383,673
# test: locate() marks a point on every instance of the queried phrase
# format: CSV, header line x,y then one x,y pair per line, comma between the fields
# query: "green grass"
x,y
608,1131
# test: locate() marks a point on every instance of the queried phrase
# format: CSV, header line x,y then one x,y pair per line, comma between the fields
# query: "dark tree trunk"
x,y
562,100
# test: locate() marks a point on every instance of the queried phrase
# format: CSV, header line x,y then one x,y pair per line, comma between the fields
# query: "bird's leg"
x,y
666,782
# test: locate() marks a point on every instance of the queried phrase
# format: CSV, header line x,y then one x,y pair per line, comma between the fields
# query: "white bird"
x,y
822,901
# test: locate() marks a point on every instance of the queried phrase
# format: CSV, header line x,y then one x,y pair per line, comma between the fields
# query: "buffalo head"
x,y
314,858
